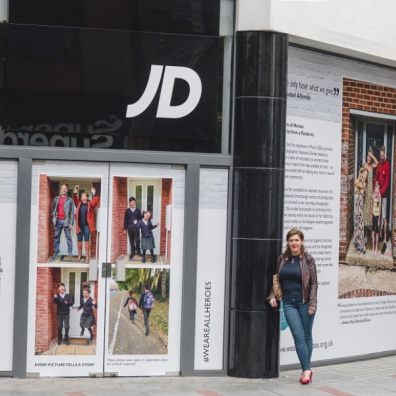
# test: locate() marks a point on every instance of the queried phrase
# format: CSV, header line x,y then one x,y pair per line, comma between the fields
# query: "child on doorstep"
x,y
146,228
87,319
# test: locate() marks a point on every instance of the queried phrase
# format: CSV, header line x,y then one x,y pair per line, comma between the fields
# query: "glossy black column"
x,y
258,184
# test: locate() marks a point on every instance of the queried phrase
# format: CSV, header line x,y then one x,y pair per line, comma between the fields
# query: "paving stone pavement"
x,y
371,377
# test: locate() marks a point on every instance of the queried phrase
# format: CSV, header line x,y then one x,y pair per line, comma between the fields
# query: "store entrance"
x,y
93,310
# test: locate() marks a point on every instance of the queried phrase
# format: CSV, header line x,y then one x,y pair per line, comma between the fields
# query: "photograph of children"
x,y
68,210
66,312
141,220
139,313
367,251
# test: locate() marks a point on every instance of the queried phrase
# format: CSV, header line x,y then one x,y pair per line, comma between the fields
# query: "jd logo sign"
x,y
165,110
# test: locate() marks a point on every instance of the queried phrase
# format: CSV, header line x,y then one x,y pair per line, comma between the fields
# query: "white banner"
x,y
325,146
212,231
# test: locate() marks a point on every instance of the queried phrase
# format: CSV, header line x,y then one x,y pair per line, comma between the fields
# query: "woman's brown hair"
x,y
294,231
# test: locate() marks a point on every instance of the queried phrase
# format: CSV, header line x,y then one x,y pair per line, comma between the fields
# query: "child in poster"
x,y
376,212
63,301
131,226
146,304
132,304
146,228
87,319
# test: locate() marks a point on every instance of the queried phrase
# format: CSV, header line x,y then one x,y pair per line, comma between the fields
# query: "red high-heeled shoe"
x,y
306,381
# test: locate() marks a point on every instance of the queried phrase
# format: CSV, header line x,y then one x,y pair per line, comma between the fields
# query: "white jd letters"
x,y
165,110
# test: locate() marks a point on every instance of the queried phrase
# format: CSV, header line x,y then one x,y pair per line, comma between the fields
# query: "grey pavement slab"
x,y
371,377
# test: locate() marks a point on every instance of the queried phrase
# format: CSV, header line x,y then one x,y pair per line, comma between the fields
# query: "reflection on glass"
x,y
84,277
150,198
138,196
72,284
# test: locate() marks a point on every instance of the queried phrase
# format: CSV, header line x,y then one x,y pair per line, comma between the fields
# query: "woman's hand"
x,y
273,302
311,310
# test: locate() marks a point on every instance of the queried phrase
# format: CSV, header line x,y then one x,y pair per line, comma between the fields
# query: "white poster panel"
x,y
8,181
78,349
326,145
212,231
134,345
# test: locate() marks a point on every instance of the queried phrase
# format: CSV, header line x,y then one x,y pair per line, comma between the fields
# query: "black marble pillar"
x,y
258,184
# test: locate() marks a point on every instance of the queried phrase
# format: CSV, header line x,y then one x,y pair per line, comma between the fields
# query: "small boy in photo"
x,y
63,301
146,304
131,226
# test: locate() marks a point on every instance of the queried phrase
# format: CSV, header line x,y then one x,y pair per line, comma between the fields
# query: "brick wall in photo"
x,y
44,223
54,191
46,327
95,297
359,293
166,197
370,98
119,204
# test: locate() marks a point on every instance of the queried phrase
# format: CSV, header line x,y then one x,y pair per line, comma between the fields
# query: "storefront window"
x,y
87,87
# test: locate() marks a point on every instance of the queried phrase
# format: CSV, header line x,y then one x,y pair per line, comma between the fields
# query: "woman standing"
x,y
85,220
369,166
360,188
296,272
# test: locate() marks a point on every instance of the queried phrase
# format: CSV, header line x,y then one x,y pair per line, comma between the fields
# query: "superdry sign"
x,y
109,89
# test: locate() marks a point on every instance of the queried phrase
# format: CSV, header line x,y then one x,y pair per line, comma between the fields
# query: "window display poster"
x,y
340,192
8,179
105,269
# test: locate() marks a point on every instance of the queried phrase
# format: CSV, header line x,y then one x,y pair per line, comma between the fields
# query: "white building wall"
x,y
362,28
3,10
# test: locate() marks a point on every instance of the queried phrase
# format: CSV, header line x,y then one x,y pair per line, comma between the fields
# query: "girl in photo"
x,y
87,319
376,212
369,166
146,228
132,304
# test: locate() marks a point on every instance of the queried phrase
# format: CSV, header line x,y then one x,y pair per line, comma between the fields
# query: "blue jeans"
x,y
84,232
58,231
300,324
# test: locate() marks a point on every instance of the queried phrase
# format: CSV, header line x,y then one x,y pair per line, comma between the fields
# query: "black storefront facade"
x,y
150,100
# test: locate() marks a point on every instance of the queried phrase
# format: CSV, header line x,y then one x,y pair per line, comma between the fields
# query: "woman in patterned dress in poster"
x,y
360,188
370,164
